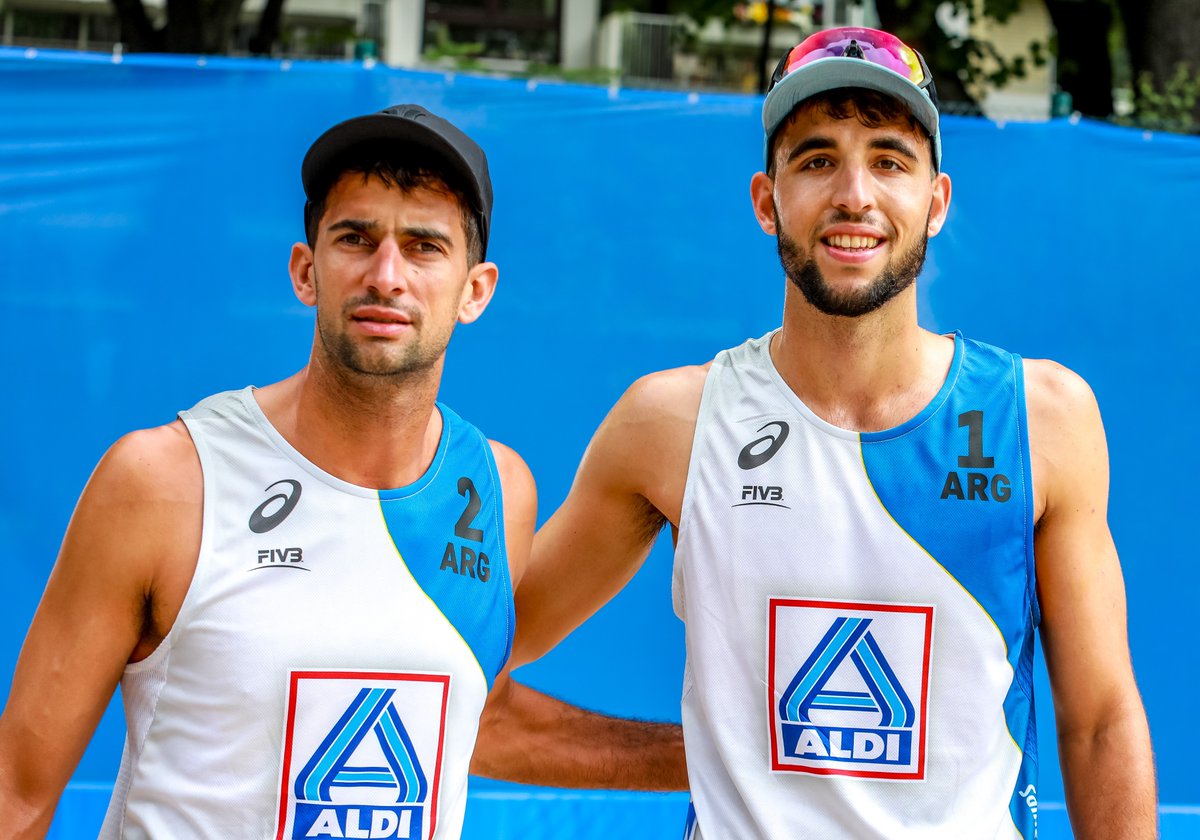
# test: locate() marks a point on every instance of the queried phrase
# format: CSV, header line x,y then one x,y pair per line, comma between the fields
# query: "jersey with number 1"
x,y
860,611
326,672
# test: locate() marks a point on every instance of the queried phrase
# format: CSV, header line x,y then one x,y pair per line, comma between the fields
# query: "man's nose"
x,y
386,272
852,189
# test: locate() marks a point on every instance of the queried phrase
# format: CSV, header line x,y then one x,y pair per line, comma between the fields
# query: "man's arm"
x,y
530,737
1104,740
100,610
629,484
596,542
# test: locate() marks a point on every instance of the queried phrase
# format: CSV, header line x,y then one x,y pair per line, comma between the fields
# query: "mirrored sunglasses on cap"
x,y
880,48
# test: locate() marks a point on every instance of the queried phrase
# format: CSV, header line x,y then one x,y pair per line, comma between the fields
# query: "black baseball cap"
x,y
402,125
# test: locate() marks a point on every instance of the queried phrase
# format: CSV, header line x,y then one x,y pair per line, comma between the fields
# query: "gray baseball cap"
x,y
403,125
853,57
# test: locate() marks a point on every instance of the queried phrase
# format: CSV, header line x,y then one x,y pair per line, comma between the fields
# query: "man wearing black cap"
x,y
306,590
870,519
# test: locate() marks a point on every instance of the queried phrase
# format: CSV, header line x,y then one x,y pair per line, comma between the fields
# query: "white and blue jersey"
x,y
860,611
326,672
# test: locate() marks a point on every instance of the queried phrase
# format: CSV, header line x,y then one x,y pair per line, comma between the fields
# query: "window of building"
x,y
45,29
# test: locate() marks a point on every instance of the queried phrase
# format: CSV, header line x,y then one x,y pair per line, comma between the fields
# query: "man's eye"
x,y
427,247
818,163
353,239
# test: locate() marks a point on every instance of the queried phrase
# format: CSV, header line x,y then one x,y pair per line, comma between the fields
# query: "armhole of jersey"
x,y
502,533
685,506
160,653
1027,476
706,398
143,681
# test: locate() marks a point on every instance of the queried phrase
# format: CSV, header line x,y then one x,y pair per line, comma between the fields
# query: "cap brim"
x,y
827,74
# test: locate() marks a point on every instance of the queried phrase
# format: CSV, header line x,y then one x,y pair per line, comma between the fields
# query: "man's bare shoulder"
x,y
135,534
644,444
667,397
145,497
520,506
1051,388
1061,404
159,462
1066,435
511,466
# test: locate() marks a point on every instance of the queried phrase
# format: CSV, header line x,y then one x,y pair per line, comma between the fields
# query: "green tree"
x,y
957,63
1156,43
1162,39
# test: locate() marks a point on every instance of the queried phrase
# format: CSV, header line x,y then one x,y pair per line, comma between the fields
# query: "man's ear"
x,y
940,204
303,273
478,291
762,196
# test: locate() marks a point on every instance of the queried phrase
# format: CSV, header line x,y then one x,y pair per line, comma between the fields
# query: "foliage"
x,y
1169,105
583,75
462,54
964,58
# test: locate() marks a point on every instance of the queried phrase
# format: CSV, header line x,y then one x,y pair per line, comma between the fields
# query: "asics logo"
x,y
748,459
261,521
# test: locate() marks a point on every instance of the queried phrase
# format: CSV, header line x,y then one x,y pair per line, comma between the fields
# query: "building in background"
x,y
574,39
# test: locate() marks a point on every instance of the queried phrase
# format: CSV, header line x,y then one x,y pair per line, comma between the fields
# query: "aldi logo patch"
x,y
362,755
848,687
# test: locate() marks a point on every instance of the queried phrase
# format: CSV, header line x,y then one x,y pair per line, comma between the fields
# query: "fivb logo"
x,y
848,687
371,747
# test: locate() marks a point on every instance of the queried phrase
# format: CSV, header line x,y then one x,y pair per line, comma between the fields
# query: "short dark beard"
x,y
800,267
417,359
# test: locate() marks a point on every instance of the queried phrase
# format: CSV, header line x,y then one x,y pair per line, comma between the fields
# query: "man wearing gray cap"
x,y
870,519
305,590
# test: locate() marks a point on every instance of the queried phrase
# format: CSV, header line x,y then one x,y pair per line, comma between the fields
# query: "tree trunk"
x,y
267,33
764,53
193,26
1084,66
137,30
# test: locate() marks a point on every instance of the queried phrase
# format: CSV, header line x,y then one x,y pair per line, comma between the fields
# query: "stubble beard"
x,y
381,359
801,268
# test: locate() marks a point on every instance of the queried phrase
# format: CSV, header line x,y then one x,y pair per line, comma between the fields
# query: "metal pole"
x,y
764,55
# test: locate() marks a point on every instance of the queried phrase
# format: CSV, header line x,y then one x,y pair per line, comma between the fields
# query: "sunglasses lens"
x,y
871,45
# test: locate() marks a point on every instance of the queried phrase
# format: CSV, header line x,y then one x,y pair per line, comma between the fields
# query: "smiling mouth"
x,y
852,243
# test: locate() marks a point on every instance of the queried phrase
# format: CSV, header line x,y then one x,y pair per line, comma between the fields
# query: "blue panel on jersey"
x,y
1018,711
956,478
449,529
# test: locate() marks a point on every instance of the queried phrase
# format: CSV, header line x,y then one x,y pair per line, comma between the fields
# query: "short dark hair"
x,y
870,107
406,170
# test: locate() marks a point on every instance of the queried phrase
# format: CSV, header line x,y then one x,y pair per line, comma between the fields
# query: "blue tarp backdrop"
x,y
147,208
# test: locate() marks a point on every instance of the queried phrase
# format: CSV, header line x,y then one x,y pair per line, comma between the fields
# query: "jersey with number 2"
x,y
326,672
